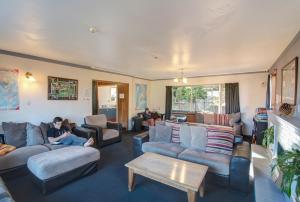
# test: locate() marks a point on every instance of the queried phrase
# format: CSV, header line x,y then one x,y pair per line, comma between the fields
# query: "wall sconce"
x,y
30,77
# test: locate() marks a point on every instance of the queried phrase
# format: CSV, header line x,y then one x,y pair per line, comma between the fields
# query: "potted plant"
x,y
268,139
289,164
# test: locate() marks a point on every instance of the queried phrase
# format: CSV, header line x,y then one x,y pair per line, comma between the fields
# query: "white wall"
x,y
34,105
252,93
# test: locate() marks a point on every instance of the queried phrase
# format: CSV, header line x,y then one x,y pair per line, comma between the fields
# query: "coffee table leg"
x,y
201,189
130,179
191,196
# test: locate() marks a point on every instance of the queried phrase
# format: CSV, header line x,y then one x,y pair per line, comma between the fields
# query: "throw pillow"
x,y
14,133
163,133
152,134
198,137
185,136
175,138
44,128
34,135
219,140
234,118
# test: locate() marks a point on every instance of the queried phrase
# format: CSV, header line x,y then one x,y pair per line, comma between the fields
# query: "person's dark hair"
x,y
57,119
146,109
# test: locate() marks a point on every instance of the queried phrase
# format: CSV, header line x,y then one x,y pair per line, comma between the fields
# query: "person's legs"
x,y
66,141
77,140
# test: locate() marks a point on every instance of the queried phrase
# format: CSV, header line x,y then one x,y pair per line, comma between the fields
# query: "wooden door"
x,y
123,103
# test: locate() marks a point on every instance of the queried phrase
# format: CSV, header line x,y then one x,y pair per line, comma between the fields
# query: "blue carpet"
x,y
109,184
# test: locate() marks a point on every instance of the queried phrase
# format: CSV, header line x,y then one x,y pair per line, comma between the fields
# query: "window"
x,y
204,98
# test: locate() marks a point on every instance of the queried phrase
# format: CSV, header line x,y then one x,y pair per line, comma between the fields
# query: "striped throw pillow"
x,y
219,140
175,138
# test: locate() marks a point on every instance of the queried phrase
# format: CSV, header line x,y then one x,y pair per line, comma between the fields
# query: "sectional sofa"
x,y
227,169
14,163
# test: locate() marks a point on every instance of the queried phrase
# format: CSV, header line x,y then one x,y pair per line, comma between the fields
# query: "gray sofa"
x,y
231,170
14,163
4,193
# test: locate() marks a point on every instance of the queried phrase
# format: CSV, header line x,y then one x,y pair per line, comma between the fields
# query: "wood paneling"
x,y
123,103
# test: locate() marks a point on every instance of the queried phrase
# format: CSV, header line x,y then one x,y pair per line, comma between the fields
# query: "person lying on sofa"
x,y
60,134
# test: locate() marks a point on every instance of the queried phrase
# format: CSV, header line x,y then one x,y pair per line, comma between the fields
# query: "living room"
x,y
203,110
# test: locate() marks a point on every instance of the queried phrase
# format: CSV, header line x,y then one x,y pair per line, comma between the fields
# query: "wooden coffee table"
x,y
183,175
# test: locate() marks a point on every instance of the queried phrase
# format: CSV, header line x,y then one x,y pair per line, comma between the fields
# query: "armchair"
x,y
106,132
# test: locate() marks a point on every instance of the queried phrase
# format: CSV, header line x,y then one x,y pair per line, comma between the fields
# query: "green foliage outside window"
x,y
189,94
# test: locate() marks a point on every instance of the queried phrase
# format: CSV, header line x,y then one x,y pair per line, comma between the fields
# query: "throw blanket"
x,y
5,148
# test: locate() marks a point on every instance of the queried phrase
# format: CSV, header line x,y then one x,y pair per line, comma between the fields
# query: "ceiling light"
x,y
181,79
93,29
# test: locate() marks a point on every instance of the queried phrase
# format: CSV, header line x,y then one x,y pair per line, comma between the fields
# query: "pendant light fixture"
x,y
181,79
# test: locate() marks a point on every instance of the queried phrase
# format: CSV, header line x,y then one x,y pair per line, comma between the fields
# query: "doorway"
x,y
112,99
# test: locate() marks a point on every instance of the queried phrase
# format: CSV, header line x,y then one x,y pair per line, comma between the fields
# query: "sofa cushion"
x,y
185,136
15,133
55,146
217,163
53,163
34,135
167,149
219,140
97,120
44,128
109,133
20,156
234,118
198,137
152,133
160,133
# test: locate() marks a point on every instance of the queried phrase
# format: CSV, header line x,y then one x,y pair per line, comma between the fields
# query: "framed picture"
x,y
9,89
289,82
62,88
140,96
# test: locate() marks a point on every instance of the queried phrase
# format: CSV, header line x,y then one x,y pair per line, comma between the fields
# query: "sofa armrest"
x,y
84,132
240,166
99,133
2,138
238,128
114,125
138,141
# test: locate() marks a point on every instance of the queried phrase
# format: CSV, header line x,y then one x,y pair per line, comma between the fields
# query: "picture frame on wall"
x,y
289,77
140,96
62,88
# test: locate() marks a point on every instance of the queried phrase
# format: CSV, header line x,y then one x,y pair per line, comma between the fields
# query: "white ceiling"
x,y
206,37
